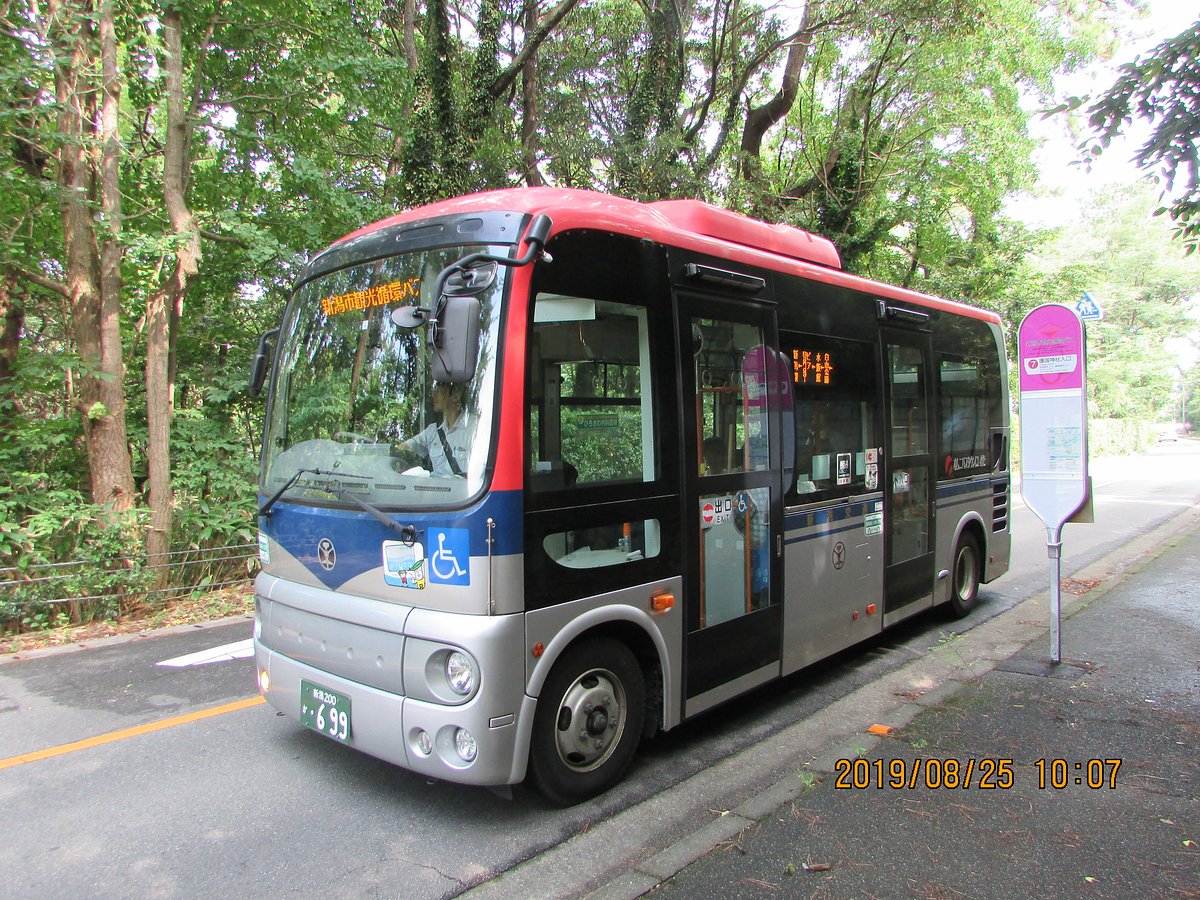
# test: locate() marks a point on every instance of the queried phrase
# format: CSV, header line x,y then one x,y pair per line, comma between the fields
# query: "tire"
x,y
965,573
588,721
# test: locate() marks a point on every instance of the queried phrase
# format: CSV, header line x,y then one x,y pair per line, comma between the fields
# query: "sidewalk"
x,y
1128,690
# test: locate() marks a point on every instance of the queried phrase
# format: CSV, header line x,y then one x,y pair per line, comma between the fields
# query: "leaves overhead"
x,y
894,128
1162,88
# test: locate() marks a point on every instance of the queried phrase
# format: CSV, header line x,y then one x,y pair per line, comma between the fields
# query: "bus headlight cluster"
x,y
452,745
424,742
465,746
460,673
440,673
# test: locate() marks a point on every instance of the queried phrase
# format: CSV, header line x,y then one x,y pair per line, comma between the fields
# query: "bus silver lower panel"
x,y
387,692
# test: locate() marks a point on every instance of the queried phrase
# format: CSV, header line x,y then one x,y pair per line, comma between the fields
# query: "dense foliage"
x,y
1163,88
167,168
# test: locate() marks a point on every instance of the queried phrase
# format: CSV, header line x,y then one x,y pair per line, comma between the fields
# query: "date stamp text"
x,y
982,774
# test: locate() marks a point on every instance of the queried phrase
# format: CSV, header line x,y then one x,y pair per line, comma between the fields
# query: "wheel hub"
x,y
591,719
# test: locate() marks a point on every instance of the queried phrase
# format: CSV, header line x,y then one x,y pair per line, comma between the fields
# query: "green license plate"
x,y
325,711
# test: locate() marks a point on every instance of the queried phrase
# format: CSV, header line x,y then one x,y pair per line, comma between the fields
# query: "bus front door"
x,y
730,381
909,474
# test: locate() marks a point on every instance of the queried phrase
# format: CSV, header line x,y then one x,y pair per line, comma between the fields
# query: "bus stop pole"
x,y
1054,551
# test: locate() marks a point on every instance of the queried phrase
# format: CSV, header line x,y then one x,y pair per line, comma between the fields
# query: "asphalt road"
x,y
247,802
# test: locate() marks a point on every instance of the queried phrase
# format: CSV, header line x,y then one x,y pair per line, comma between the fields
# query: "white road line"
x,y
224,653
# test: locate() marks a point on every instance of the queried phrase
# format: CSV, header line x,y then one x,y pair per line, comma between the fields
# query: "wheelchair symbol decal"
x,y
450,559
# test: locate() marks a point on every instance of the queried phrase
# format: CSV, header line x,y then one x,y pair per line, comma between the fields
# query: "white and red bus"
x,y
547,471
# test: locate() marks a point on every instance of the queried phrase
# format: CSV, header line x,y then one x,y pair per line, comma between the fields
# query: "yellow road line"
x,y
124,733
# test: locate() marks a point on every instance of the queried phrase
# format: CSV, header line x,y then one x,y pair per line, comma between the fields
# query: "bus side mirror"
x,y
454,339
258,368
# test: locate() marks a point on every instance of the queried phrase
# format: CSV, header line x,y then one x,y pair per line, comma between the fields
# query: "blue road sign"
x,y
1088,308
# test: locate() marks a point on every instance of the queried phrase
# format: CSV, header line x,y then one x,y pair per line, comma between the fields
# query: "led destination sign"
x,y
811,367
379,295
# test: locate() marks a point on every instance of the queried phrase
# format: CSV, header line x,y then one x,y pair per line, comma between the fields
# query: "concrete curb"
x,y
93,643
639,848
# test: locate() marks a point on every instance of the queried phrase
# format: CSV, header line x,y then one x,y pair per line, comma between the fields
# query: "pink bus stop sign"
x,y
1052,354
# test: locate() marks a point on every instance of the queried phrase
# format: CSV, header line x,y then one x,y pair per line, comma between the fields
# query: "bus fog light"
x,y
465,744
264,681
424,742
460,673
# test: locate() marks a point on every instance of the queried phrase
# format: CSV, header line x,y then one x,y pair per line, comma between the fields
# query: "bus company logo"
x,y
959,463
326,554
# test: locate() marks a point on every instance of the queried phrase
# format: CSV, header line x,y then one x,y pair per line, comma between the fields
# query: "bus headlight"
x,y
424,742
464,744
440,673
460,673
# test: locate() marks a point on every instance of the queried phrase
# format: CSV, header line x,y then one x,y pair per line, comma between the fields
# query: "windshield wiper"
x,y
406,531
265,509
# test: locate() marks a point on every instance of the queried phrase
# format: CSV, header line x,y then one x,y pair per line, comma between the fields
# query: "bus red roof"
x,y
689,224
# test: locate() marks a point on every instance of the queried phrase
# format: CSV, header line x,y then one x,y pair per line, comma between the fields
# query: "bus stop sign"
x,y
1052,355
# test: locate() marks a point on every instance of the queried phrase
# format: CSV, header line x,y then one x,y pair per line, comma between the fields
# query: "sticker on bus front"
x,y
404,565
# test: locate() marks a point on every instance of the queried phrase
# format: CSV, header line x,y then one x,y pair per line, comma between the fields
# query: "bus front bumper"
x,y
416,735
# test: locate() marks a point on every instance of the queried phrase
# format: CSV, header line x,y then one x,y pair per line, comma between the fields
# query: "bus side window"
x,y
591,421
590,412
835,417
605,545
969,391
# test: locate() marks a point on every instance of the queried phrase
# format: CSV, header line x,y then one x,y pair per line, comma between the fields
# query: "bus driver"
x,y
443,445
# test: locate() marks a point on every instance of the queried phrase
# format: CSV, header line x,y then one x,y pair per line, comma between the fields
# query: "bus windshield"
x,y
355,416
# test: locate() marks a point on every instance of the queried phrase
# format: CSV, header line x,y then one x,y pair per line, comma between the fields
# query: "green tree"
x,y
1120,253
1163,88
169,168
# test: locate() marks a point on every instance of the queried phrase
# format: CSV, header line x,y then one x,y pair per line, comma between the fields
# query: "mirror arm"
x,y
535,242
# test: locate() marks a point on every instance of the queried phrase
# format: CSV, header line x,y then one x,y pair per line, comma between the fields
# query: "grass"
x,y
204,607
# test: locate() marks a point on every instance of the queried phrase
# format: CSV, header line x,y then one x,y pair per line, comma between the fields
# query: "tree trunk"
x,y
762,118
88,156
12,322
529,106
164,305
654,106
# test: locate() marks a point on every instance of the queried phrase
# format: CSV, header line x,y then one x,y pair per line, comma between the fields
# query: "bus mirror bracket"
x,y
454,320
258,367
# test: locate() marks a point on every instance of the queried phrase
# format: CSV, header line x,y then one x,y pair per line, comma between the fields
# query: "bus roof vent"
x,y
703,218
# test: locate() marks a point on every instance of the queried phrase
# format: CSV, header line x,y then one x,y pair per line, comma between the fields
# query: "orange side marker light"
x,y
660,603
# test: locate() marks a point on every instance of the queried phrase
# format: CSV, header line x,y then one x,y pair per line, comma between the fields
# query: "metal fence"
x,y
85,582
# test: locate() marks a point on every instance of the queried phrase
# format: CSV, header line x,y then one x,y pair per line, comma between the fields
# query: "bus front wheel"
x,y
964,578
588,721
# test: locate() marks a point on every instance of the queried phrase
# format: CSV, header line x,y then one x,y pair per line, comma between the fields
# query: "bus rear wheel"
x,y
588,721
965,575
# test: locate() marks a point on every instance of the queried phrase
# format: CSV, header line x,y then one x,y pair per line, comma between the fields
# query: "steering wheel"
x,y
352,437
